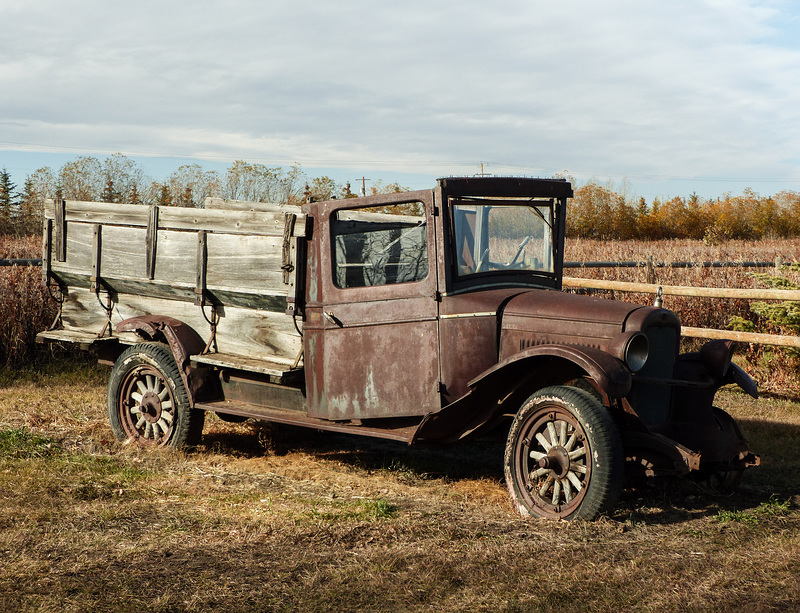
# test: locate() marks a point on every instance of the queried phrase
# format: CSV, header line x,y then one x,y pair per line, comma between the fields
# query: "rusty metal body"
x,y
434,315
463,351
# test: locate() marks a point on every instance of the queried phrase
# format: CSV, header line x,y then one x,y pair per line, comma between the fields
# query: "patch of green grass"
x,y
744,517
22,443
63,369
772,508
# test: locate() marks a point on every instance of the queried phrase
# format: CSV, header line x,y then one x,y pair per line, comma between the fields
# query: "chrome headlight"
x,y
632,348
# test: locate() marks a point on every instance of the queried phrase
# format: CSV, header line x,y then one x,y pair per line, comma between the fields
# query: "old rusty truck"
x,y
427,317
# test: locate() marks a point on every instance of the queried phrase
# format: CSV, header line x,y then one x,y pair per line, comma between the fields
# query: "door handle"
x,y
332,318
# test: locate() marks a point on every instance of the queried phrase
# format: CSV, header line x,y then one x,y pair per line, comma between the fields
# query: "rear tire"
x,y
148,404
564,457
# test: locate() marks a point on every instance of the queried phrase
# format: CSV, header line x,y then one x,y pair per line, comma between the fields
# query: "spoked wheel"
x,y
147,400
564,456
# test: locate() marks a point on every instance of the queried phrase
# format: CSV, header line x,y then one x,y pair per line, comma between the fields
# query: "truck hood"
x,y
539,317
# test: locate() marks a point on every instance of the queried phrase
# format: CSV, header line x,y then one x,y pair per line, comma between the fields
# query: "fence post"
x,y
651,273
778,263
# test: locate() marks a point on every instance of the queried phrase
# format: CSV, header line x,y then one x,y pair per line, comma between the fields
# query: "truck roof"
x,y
506,186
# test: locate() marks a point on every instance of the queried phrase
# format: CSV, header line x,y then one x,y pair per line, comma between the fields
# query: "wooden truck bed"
x,y
115,261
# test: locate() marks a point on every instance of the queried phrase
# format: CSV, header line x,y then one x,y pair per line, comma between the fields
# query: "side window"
x,y
380,245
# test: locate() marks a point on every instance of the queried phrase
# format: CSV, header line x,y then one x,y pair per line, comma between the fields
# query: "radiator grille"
x,y
652,400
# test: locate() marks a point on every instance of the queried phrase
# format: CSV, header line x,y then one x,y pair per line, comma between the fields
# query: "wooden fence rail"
x,y
703,292
21,262
649,263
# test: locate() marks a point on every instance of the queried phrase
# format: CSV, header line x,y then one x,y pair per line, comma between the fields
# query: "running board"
x,y
393,429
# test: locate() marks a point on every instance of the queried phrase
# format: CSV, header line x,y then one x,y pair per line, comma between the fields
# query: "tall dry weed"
x,y
20,246
25,307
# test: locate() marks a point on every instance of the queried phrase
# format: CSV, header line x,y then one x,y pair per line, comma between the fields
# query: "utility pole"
x,y
483,173
364,185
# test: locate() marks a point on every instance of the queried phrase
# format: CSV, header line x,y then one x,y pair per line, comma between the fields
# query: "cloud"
x,y
621,88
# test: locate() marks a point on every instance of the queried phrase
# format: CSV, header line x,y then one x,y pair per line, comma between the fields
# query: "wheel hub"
x,y
557,460
151,407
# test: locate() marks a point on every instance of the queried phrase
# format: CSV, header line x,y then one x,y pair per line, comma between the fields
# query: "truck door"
x,y
371,330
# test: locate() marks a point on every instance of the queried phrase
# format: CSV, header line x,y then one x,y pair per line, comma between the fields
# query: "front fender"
x,y
608,372
509,381
738,376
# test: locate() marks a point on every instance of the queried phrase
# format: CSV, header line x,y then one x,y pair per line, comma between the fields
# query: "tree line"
x,y
596,211
600,212
120,179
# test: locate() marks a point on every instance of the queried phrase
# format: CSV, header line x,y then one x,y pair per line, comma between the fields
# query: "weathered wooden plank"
x,y
246,332
262,366
85,340
176,259
60,230
79,244
200,268
151,239
236,221
252,262
107,213
97,248
263,302
185,293
269,223
248,205
679,290
47,250
124,253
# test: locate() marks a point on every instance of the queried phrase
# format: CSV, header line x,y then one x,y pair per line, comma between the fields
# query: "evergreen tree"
x,y
164,197
110,193
7,200
29,218
134,197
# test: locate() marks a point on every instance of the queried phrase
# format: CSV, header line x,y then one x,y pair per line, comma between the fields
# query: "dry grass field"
x,y
263,518
710,313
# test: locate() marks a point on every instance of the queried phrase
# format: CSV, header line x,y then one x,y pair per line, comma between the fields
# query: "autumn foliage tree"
x,y
599,212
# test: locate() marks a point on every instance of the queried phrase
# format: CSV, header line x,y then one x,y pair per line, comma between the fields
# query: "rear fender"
x,y
183,341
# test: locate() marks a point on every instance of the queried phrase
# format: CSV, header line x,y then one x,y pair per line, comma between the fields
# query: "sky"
x,y
656,99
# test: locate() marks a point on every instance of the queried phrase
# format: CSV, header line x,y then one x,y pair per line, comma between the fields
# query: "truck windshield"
x,y
503,235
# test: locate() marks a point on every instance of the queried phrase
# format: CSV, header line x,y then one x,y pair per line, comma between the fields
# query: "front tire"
x,y
564,457
147,400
